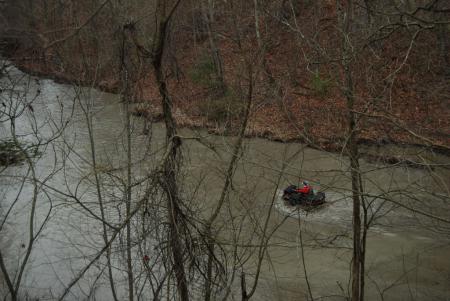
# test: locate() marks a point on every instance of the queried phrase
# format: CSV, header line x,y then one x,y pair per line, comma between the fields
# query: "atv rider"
x,y
305,190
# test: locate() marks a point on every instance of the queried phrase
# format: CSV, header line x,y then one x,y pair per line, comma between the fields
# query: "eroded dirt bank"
x,y
323,129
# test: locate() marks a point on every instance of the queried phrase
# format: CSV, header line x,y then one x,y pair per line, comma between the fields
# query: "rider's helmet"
x,y
305,183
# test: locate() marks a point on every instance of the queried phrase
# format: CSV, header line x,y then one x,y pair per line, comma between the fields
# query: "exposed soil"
x,y
298,113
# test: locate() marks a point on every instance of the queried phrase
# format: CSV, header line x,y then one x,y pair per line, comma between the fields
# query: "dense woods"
x,y
353,79
398,55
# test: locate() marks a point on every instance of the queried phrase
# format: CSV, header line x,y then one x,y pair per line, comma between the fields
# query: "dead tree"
x,y
169,173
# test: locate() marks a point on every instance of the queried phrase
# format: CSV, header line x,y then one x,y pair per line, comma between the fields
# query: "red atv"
x,y
295,198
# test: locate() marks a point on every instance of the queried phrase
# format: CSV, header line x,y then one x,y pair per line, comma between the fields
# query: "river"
x,y
407,253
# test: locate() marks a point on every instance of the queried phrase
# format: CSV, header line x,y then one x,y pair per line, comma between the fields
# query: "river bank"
x,y
273,122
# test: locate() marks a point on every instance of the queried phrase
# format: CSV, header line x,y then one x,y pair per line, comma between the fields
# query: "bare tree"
x,y
18,121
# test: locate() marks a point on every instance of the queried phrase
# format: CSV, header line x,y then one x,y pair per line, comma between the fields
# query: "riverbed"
x,y
407,252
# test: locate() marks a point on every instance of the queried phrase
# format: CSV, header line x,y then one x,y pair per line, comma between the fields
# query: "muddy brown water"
x,y
407,254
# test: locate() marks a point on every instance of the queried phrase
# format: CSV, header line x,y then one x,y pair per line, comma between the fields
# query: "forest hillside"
x,y
399,61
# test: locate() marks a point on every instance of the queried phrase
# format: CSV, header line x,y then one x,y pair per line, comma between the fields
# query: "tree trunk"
x,y
353,153
228,183
126,97
88,115
244,296
170,169
209,16
274,88
363,246
356,263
